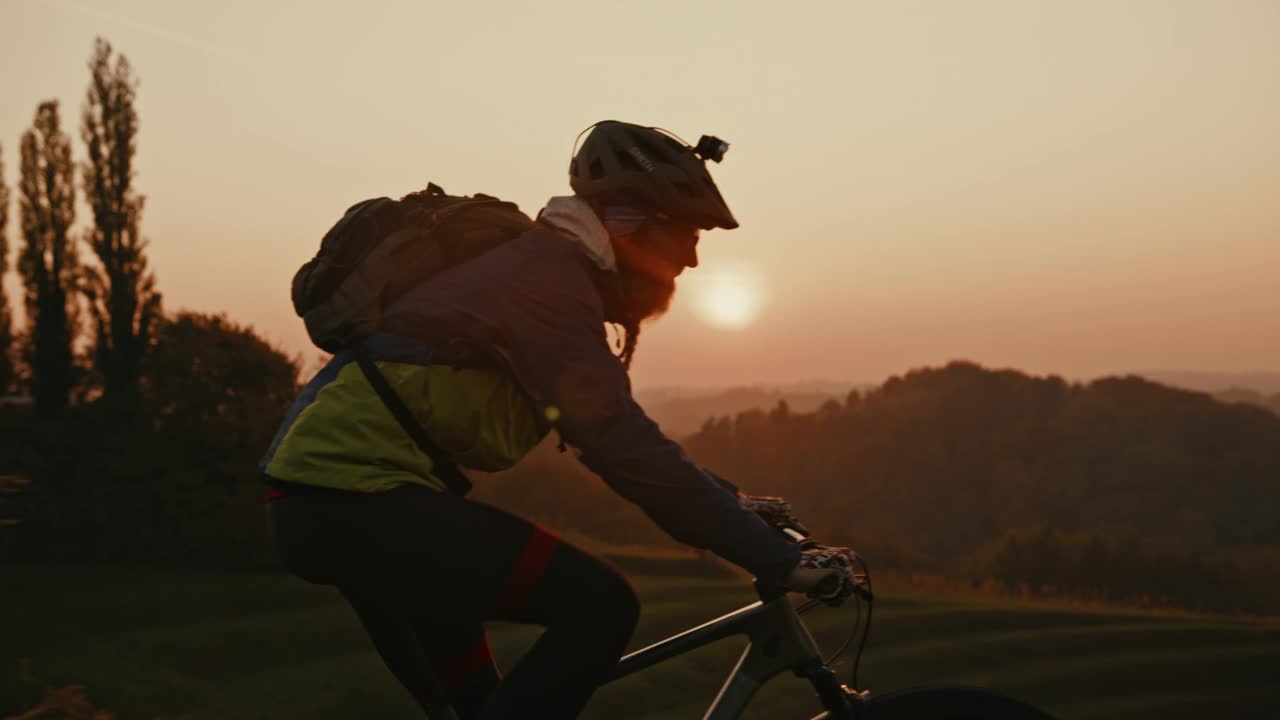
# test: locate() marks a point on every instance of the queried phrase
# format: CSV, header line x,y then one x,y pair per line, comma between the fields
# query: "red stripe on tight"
x,y
274,494
524,577
457,669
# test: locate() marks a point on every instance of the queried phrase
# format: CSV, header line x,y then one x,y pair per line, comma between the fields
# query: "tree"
x,y
48,262
7,373
215,393
178,487
120,290
212,379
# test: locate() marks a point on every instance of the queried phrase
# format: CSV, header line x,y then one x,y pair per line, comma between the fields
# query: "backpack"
x,y
375,253
381,248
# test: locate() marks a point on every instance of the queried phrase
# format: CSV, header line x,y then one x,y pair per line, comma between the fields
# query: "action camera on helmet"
x,y
711,148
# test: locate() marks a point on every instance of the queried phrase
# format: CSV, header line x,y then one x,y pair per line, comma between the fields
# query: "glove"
x,y
817,564
773,510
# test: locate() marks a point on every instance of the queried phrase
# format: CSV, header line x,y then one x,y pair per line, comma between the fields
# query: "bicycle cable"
x,y
857,618
862,644
866,629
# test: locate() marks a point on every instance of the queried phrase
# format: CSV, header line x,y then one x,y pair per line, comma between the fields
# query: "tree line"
x,y
1118,488
948,458
141,437
90,300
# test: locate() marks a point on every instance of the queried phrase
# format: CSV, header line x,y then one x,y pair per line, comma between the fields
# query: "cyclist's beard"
x,y
639,296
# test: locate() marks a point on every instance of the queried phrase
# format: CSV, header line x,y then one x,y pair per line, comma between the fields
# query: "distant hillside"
x,y
950,456
964,469
1256,388
682,411
1266,383
947,459
1249,397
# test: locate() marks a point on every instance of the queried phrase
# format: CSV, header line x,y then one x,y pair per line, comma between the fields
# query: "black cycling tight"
x,y
423,569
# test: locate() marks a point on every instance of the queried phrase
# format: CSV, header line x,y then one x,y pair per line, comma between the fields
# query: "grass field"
x,y
195,646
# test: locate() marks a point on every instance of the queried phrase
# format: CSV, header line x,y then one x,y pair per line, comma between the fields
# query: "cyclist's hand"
x,y
773,510
824,572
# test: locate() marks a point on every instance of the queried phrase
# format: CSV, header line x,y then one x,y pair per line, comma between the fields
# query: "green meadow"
x,y
150,644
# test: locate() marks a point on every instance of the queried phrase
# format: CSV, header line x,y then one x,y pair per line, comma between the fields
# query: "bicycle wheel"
x,y
947,703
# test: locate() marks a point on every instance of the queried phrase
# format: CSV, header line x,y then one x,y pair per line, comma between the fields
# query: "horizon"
x,y
1261,381
1061,189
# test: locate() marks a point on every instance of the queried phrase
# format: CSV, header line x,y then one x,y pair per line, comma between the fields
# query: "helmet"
x,y
620,163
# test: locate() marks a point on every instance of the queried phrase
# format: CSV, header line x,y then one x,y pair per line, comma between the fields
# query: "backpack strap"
x,y
442,465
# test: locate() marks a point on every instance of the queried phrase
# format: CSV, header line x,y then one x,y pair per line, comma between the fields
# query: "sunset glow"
x,y
1077,188
728,299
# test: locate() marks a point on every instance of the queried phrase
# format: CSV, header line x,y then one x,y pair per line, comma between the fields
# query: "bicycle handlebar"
x,y
802,538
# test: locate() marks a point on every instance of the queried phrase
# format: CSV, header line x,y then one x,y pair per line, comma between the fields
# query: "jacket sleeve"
x,y
555,332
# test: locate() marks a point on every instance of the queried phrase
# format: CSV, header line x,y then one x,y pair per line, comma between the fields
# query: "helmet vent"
x,y
648,148
627,162
596,169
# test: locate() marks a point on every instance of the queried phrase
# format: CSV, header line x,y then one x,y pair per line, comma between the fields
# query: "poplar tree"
x,y
7,374
47,260
122,298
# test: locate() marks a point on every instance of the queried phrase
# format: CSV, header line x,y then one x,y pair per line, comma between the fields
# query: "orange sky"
x,y
1074,187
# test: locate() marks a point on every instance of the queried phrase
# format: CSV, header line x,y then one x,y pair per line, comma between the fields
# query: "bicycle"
x,y
778,641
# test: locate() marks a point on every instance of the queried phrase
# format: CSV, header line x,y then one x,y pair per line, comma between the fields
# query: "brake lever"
x,y
863,592
796,536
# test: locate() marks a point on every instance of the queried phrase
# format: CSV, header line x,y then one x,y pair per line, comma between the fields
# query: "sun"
x,y
729,299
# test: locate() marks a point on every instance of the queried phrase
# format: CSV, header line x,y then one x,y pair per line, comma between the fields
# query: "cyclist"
x,y
491,355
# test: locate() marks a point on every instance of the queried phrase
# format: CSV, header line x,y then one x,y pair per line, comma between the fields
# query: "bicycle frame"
x,y
778,641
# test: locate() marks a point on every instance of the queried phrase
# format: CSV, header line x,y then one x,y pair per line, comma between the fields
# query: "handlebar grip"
x,y
828,587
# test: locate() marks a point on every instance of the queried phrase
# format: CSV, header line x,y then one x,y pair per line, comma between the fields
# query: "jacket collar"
x,y
574,219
